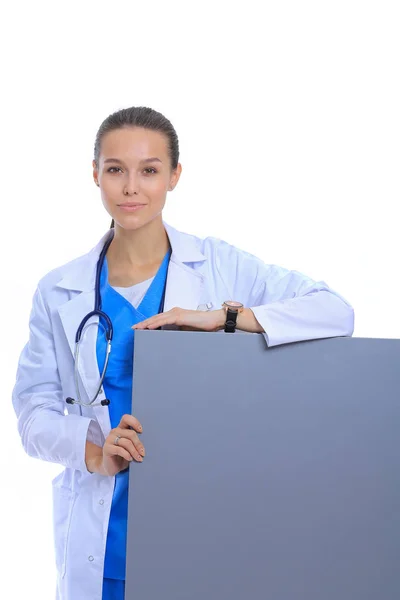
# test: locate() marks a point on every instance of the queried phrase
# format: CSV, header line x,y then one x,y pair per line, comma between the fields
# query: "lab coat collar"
x,y
80,274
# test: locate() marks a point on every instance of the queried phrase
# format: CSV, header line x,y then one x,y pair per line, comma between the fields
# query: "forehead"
x,y
133,143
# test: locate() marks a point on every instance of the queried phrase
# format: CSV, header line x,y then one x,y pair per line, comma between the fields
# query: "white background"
x,y
288,119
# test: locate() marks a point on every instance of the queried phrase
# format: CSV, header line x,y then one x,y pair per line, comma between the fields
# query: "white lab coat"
x,y
288,305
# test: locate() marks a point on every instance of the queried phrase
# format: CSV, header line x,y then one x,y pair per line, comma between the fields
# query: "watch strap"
x,y
231,318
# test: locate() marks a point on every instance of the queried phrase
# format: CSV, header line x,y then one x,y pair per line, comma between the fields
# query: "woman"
x,y
135,165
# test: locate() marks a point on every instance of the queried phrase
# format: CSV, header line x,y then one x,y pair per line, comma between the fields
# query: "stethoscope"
x,y
108,330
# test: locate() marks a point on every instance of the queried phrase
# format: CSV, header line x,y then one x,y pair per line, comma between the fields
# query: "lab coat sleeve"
x,y
289,306
46,432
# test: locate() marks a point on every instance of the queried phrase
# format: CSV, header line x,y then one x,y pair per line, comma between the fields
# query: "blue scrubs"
x,y
113,589
118,388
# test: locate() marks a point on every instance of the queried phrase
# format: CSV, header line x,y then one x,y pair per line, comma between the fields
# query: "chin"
x,y
132,222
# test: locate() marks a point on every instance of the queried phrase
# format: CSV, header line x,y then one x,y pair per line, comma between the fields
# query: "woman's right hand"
x,y
113,458
116,457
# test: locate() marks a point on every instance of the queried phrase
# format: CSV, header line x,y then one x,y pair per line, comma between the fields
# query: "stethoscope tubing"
x,y
97,312
108,329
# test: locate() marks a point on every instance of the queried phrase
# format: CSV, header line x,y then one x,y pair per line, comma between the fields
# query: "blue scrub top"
x,y
118,389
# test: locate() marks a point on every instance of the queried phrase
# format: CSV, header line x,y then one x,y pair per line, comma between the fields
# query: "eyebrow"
x,y
145,160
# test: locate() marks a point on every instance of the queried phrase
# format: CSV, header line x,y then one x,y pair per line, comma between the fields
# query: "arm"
x,y
46,432
286,305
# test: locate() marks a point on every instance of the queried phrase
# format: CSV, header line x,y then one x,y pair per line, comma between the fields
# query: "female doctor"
x,y
150,276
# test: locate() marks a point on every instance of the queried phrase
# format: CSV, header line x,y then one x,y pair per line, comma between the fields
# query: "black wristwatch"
x,y
232,309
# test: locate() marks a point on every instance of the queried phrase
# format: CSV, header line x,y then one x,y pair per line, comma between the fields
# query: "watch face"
x,y
233,304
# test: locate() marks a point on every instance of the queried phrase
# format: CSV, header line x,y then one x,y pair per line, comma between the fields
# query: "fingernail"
x,y
142,452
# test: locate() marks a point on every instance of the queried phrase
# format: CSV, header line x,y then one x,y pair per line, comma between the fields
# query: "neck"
x,y
141,247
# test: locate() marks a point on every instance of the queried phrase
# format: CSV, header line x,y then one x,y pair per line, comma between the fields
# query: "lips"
x,y
129,207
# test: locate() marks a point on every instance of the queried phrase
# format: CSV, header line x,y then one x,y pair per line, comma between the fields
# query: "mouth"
x,y
131,206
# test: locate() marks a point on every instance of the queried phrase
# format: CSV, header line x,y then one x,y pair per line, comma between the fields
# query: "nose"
x,y
131,186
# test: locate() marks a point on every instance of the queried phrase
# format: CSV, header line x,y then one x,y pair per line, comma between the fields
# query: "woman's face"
x,y
134,175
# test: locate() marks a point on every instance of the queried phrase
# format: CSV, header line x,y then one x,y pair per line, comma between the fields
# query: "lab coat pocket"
x,y
63,504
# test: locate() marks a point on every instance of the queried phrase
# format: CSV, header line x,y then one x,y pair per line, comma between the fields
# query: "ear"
x,y
95,174
176,173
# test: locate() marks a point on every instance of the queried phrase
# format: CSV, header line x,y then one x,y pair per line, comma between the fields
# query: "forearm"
x,y
247,321
49,435
314,316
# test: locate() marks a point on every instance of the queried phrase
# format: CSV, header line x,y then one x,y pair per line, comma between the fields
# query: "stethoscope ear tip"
x,y
105,402
70,401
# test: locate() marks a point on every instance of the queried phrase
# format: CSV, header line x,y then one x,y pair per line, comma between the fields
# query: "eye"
x,y
114,169
151,169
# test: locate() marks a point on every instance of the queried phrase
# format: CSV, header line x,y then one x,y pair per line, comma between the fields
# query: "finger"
x,y
156,322
167,318
143,324
148,324
113,450
128,421
130,447
127,434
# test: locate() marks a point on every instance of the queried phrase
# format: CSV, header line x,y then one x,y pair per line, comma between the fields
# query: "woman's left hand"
x,y
191,320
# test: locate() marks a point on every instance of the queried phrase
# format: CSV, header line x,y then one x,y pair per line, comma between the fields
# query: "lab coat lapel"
x,y
184,283
71,314
184,286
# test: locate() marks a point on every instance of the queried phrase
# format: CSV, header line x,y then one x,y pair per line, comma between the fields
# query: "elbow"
x,y
25,423
24,420
348,321
34,418
351,327
340,313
